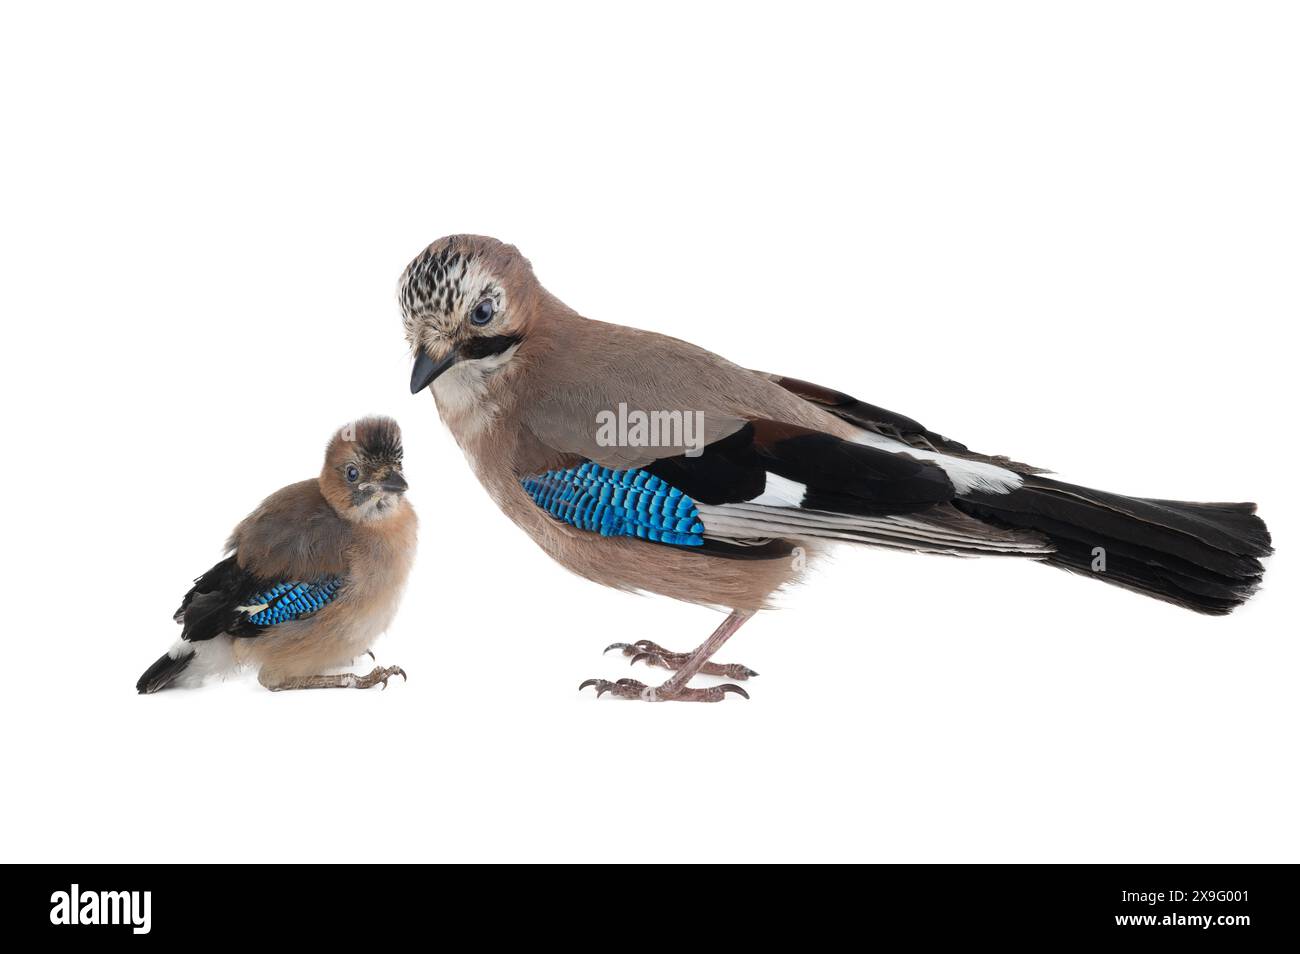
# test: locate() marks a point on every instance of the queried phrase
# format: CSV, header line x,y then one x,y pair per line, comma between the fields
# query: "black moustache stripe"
x,y
477,348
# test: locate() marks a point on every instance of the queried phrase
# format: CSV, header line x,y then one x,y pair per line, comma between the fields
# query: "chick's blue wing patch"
x,y
291,600
618,503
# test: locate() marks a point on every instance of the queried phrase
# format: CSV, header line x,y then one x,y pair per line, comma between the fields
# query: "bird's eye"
x,y
352,474
483,312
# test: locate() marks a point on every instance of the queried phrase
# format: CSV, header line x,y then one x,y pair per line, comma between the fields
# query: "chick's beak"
x,y
426,369
394,483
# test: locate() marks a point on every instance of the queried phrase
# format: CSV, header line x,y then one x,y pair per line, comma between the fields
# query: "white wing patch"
x,y
779,512
780,492
966,475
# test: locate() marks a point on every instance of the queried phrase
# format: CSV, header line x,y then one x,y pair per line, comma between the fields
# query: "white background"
x,y
1062,232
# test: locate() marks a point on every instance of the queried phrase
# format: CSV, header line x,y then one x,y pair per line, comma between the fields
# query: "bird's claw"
x,y
624,688
380,676
632,689
655,655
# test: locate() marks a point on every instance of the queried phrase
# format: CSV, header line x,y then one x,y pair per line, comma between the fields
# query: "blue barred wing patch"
x,y
286,601
618,503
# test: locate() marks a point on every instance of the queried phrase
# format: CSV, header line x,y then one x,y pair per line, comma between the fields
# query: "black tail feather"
x,y
1204,556
163,672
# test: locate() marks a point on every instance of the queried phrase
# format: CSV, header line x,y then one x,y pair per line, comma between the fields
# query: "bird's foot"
x,y
631,689
655,655
378,676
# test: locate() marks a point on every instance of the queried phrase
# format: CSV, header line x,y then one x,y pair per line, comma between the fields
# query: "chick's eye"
x,y
352,473
483,312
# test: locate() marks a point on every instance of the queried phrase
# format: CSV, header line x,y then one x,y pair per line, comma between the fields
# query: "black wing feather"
x,y
840,476
210,607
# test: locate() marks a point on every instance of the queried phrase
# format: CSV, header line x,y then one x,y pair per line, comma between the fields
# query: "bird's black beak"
x,y
426,369
394,483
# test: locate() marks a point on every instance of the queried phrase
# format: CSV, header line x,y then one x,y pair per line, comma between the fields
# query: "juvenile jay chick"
x,y
646,463
314,576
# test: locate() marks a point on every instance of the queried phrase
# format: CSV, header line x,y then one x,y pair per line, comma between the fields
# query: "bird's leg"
x,y
675,688
656,655
676,684
378,676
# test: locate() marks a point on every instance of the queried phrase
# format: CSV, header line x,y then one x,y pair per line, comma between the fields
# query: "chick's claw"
x,y
379,676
